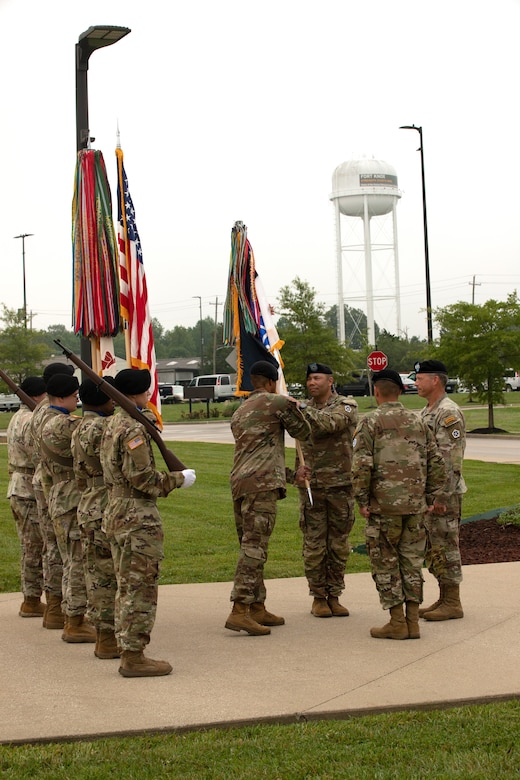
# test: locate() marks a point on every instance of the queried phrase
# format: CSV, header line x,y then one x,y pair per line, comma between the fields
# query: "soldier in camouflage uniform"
x,y
52,562
328,520
398,474
20,446
133,525
62,494
446,420
257,482
100,574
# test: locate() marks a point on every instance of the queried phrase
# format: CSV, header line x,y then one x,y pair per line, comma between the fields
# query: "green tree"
x,y
307,335
21,349
402,353
482,341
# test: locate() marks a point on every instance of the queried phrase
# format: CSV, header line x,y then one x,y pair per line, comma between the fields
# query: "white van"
x,y
224,385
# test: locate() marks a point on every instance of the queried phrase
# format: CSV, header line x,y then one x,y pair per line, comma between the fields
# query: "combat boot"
x,y
424,610
106,644
337,609
54,617
412,620
32,607
135,664
395,629
240,620
76,630
320,608
259,613
450,608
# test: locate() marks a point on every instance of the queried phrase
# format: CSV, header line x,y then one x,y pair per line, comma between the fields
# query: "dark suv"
x,y
357,386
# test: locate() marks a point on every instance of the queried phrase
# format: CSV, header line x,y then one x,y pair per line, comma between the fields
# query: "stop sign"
x,y
376,361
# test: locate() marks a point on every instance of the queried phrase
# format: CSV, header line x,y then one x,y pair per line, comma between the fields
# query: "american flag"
x,y
134,294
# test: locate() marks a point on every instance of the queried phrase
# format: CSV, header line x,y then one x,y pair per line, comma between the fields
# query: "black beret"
x,y
264,368
133,381
318,368
62,385
57,368
33,386
91,393
430,367
390,375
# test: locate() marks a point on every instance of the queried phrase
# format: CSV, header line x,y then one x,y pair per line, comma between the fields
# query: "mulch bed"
x,y
485,541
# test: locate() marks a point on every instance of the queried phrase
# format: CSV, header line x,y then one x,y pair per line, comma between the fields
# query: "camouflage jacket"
x,y
86,441
20,446
446,421
328,452
38,419
397,468
258,427
58,481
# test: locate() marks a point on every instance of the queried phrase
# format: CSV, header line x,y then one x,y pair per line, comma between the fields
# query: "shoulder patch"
x,y
135,442
450,420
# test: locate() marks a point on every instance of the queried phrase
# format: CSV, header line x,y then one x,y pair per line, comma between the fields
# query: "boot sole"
x,y
107,656
78,640
321,616
127,673
251,632
31,614
429,616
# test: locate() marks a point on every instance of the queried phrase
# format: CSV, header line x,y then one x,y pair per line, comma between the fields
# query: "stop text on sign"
x,y
376,361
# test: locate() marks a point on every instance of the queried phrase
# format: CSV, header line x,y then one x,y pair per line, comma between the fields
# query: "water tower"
x,y
365,195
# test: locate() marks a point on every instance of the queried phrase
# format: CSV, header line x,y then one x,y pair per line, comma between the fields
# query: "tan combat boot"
x,y
412,620
106,644
54,617
424,610
240,619
337,609
320,608
32,607
450,608
76,630
259,614
395,629
135,664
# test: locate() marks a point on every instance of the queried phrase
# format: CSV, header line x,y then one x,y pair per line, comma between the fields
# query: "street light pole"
x,y
201,336
94,38
425,223
23,236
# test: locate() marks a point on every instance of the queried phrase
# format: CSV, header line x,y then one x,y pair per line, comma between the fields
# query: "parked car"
x,y
171,394
224,385
359,384
511,381
409,384
9,402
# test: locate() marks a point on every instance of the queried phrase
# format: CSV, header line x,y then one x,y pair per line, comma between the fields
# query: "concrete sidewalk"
x,y
307,669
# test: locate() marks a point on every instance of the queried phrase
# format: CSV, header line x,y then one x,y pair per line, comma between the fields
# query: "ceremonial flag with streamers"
x,y
134,296
248,318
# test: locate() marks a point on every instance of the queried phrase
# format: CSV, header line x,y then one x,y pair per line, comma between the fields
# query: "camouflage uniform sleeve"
x,y
138,466
293,420
435,472
450,436
362,462
332,419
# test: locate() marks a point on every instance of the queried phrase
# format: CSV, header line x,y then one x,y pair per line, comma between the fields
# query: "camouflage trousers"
x,y
396,544
137,554
326,525
70,543
100,575
25,513
442,544
255,516
51,561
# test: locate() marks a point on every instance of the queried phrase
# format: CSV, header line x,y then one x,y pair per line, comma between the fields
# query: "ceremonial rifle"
x,y
24,398
172,461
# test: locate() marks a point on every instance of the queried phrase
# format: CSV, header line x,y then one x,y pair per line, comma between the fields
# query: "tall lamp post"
x,y
425,223
201,336
94,38
23,236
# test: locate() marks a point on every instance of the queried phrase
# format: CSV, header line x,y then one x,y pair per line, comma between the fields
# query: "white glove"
x,y
189,478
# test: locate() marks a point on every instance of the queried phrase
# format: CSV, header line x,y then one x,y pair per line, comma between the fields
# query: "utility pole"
x,y
216,304
473,284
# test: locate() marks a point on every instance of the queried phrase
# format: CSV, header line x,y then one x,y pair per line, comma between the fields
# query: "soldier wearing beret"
x,y
100,574
133,525
328,520
397,473
257,483
446,420
20,492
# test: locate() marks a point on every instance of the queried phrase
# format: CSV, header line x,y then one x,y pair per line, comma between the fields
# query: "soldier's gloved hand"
x,y
189,477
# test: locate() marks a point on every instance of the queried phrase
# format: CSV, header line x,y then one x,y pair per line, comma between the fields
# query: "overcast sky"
x,y
242,111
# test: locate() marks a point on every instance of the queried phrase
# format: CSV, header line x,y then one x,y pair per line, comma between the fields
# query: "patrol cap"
x,y
133,381
390,375
430,367
264,368
62,385
33,385
57,368
91,393
318,368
